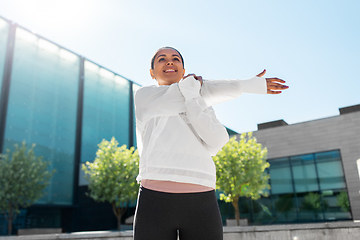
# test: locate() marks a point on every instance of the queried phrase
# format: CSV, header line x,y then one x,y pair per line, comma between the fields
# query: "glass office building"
x,y
42,92
4,29
67,104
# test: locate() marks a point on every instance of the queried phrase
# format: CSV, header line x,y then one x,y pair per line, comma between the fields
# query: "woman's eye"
x,y
161,59
176,59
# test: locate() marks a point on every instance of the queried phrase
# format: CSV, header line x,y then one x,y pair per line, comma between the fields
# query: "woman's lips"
x,y
170,70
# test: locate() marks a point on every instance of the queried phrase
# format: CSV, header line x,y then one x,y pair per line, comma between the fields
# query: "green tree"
x,y
312,202
23,179
112,176
240,171
343,201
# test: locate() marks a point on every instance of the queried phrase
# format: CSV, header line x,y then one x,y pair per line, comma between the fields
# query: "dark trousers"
x,y
160,216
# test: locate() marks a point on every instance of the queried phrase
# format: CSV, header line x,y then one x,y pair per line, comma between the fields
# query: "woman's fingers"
x,y
274,85
199,78
194,75
273,92
276,89
262,73
191,74
275,80
277,86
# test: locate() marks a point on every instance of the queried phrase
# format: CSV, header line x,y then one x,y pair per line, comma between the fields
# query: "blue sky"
x,y
312,45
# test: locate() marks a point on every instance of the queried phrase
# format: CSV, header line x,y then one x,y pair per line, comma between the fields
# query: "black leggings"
x,y
160,215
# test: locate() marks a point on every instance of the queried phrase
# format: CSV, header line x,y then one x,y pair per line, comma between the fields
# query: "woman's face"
x,y
168,67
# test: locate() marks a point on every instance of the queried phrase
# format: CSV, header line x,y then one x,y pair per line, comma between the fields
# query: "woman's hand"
x,y
273,84
199,78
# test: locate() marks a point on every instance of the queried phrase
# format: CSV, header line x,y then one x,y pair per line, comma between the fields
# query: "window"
x,y
304,188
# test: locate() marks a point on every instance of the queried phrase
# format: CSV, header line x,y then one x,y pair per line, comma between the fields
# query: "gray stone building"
x,y
313,165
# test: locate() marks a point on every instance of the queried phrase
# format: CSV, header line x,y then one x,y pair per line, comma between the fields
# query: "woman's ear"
x,y
152,73
183,72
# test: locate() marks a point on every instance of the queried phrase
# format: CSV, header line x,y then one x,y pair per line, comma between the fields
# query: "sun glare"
x,y
26,35
135,87
65,54
58,14
107,74
3,24
48,46
91,66
121,81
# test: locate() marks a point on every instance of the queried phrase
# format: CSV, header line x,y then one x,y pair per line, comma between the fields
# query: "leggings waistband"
x,y
175,196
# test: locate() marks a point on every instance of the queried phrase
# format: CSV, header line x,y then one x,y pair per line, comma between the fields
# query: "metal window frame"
x,y
6,81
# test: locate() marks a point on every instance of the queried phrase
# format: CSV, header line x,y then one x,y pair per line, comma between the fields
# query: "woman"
x,y
178,133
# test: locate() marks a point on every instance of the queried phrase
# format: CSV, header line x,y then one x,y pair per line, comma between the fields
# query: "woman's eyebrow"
x,y
163,55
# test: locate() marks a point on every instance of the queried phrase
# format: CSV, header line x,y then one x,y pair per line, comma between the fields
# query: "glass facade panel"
x,y
304,172
285,208
262,211
105,110
4,30
280,176
42,109
310,206
330,171
334,207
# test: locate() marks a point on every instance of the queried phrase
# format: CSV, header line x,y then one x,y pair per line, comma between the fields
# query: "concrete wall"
x,y
339,132
319,231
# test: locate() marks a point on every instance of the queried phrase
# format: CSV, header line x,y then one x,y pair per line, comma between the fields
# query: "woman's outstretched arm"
x,y
218,91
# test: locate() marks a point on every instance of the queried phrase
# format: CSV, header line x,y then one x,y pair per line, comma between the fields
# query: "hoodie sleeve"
x,y
202,117
218,91
154,101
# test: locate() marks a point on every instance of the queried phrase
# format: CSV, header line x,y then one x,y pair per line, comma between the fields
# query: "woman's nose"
x,y
170,63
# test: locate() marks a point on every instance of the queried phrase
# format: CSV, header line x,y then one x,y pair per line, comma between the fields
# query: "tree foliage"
x,y
312,202
342,200
112,176
240,170
23,179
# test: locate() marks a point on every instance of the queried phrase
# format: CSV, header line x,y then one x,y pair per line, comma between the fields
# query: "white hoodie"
x,y
177,130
